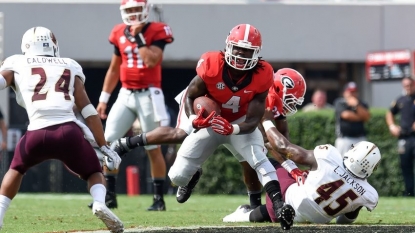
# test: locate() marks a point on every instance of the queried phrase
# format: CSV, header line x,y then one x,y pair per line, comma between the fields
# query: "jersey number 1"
x,y
62,85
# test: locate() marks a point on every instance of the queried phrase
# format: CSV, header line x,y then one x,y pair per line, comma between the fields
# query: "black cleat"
x,y
285,213
121,146
110,201
158,205
184,192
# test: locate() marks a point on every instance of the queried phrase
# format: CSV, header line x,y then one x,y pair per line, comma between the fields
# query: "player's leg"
x,y
193,152
254,154
23,159
254,187
146,116
79,156
160,135
119,121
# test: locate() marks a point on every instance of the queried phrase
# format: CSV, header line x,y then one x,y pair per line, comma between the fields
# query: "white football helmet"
x,y
40,41
133,18
362,159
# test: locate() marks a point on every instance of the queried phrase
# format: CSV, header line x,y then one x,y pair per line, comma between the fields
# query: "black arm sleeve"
x,y
117,51
160,43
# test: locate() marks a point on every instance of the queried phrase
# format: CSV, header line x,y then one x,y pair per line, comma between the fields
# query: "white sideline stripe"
x,y
54,196
320,226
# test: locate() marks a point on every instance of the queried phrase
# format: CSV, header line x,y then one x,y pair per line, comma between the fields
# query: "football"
x,y
207,103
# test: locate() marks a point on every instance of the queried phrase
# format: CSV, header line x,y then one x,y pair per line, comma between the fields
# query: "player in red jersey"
x,y
136,62
238,80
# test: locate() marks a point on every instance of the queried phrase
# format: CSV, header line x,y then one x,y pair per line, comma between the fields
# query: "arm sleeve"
x,y
160,43
117,51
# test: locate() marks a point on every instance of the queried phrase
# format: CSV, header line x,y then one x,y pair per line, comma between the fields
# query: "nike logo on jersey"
x,y
245,91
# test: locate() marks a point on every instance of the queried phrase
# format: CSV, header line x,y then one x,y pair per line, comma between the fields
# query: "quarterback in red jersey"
x,y
238,80
136,62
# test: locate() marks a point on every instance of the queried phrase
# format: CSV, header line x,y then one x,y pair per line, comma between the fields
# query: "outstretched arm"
x,y
288,150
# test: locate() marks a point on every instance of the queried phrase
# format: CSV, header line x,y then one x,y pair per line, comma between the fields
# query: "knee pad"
x,y
181,175
266,172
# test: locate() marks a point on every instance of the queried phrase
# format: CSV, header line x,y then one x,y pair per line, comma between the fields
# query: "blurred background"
x,y
330,42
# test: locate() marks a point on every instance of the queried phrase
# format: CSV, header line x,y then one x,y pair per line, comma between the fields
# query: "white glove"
x,y
112,160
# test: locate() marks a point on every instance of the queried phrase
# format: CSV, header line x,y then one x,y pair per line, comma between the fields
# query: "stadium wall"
x,y
291,32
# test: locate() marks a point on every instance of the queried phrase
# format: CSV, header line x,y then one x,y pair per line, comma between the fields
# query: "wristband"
x,y
236,129
267,125
104,97
139,38
289,165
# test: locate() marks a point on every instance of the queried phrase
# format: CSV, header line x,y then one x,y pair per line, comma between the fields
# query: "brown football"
x,y
207,103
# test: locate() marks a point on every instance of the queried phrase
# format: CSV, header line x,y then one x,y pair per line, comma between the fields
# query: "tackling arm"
x,y
288,150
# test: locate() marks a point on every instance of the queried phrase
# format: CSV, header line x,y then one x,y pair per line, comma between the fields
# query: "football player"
x,y
48,86
336,186
238,80
136,62
167,135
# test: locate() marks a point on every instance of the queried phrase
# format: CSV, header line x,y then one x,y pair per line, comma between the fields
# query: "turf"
x,y
65,213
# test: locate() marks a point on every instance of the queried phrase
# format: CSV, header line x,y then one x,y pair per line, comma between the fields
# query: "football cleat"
x,y
121,146
112,222
158,205
241,214
184,192
285,213
110,200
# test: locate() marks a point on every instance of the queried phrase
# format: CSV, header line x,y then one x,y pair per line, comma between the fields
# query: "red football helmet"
x,y
131,17
290,86
244,36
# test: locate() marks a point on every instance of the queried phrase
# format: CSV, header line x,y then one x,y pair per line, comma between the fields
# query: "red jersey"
x,y
233,98
133,72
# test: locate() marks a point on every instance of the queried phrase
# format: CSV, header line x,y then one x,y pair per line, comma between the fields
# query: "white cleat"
x,y
112,222
241,214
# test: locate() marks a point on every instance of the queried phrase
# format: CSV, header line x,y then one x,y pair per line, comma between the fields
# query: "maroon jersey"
x,y
133,72
233,98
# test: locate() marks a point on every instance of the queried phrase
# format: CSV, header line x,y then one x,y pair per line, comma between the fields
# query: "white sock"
x,y
98,192
4,205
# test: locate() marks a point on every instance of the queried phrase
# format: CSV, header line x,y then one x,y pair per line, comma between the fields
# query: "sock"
x,y
98,192
158,188
111,180
254,198
273,190
138,140
4,205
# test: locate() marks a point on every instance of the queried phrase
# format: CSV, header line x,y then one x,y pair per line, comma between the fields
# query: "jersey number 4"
x,y
232,103
325,192
62,85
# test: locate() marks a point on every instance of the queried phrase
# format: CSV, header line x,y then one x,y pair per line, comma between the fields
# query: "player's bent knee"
x,y
181,176
266,172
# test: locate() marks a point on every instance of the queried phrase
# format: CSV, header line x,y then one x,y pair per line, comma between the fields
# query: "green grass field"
x,y
33,213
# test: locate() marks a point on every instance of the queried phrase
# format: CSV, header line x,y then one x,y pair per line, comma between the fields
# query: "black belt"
x,y
138,90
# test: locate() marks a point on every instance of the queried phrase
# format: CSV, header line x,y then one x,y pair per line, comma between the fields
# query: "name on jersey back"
x,y
348,179
49,60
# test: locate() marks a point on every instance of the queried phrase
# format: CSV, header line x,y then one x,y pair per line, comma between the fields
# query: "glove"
x,y
221,126
200,122
112,160
299,175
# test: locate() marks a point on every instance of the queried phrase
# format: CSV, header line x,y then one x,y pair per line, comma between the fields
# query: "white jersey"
x,y
44,86
330,190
